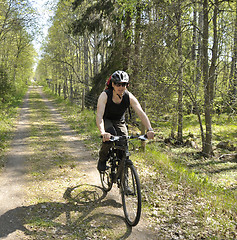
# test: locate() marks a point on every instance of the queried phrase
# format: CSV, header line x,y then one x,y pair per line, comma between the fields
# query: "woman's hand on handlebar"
x,y
106,136
150,134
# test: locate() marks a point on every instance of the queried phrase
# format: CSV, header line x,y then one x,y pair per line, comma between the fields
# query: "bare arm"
x,y
102,100
141,114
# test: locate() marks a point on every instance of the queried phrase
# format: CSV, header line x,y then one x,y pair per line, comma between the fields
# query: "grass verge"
x,y
9,112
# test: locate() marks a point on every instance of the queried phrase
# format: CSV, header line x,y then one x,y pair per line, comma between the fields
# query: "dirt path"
x,y
14,208
12,179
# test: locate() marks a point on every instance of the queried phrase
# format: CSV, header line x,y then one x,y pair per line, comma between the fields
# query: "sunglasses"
x,y
121,84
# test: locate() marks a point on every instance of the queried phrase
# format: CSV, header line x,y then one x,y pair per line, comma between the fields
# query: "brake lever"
x,y
143,137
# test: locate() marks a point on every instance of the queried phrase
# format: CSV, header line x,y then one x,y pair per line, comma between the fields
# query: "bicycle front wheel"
x,y
131,195
106,180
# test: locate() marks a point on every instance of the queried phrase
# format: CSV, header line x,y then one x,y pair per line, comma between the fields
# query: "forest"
x,y
180,55
18,27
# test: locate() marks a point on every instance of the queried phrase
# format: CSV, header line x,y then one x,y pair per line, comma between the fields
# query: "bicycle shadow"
x,y
80,213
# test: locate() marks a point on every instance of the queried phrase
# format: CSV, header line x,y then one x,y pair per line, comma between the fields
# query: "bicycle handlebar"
x,y
140,137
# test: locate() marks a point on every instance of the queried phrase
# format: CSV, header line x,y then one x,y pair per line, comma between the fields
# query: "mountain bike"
x,y
121,170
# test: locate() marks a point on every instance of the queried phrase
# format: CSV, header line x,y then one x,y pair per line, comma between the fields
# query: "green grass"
x,y
221,170
172,192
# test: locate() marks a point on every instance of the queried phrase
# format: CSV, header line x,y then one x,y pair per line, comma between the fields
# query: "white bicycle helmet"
x,y
120,77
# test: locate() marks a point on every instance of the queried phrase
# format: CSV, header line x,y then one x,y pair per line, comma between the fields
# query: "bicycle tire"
x,y
131,195
106,180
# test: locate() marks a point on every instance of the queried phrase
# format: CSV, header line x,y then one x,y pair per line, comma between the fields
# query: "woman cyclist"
x,y
111,107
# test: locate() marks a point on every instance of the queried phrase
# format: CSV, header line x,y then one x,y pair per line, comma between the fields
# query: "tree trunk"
x,y
137,46
95,55
71,90
59,89
233,72
194,30
207,145
199,52
86,62
65,89
127,41
212,71
56,88
180,74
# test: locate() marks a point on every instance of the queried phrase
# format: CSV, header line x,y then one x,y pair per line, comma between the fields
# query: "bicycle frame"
x,y
122,161
125,153
123,172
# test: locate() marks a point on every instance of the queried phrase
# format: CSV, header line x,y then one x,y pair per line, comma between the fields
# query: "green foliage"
x,y
5,85
92,18
90,40
16,52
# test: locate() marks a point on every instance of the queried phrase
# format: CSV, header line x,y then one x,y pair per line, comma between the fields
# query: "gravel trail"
x,y
13,208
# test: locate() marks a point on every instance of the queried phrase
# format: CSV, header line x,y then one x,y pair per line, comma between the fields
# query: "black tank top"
x,y
116,111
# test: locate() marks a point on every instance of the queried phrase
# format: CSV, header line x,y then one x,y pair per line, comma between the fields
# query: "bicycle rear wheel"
x,y
106,180
131,195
